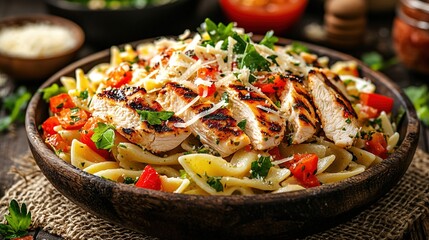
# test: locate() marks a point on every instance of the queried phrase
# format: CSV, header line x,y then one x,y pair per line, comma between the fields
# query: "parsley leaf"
x,y
104,136
419,96
18,219
83,95
14,104
260,167
225,97
51,91
376,62
298,48
253,60
215,183
269,39
242,124
154,118
218,32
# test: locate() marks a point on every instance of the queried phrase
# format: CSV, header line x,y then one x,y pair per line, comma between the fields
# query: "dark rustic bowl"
x,y
181,216
40,68
106,27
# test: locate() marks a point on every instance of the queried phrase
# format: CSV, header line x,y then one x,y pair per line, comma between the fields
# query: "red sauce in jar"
x,y
411,34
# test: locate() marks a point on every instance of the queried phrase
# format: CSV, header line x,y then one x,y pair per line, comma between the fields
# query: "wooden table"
x,y
14,143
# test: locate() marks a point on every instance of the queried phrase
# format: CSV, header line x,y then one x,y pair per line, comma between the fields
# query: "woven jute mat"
x,y
388,218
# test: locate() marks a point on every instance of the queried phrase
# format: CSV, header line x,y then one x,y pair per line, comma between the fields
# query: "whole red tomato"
x,y
260,16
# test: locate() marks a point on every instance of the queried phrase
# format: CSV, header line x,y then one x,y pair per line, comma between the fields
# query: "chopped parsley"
x,y
154,118
225,97
348,121
259,168
215,183
51,91
242,124
298,48
104,136
15,105
253,60
269,39
83,95
376,62
129,180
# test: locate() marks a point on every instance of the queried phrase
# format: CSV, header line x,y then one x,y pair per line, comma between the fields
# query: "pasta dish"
x,y
217,113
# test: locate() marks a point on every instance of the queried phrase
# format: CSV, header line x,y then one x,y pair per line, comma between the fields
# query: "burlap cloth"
x,y
388,218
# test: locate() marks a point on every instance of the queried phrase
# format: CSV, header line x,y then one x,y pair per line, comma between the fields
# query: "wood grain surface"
x,y
14,143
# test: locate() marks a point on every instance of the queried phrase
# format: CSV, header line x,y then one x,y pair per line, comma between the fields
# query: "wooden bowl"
x,y
177,216
38,68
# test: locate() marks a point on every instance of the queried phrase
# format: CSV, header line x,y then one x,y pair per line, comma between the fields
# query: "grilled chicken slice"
x,y
338,118
218,129
299,111
118,107
264,126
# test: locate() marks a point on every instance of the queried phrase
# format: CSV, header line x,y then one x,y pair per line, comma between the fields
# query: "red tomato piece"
x,y
304,167
149,179
377,145
85,137
377,101
72,118
206,91
59,102
275,153
260,16
272,84
369,112
207,73
48,126
119,77
57,143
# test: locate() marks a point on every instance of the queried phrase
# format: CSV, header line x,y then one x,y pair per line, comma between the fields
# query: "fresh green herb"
x,y
298,48
269,39
129,180
259,168
18,221
15,105
183,174
83,95
419,96
104,136
278,104
154,118
376,62
219,32
347,82
242,124
399,115
252,78
225,97
51,91
273,59
348,121
215,183
253,60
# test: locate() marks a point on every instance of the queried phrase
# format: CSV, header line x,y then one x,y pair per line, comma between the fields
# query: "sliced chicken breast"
x,y
264,126
218,129
297,105
118,107
337,116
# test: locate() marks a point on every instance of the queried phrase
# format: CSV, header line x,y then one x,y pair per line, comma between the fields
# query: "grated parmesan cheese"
x,y
35,40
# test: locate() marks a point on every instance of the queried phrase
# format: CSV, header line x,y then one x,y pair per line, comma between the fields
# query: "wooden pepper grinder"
x,y
345,22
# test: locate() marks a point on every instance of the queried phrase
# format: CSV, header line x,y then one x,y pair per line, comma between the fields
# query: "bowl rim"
x,y
407,145
71,26
71,6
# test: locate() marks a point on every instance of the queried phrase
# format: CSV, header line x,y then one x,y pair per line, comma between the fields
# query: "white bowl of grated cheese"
x,y
33,47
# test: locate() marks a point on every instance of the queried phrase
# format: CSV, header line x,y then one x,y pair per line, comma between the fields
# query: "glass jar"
x,y
411,34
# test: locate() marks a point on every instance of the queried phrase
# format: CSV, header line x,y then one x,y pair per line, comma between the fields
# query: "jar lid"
x,y
415,13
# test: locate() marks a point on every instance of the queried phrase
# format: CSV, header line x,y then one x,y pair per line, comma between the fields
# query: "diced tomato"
x,y
275,153
377,145
272,84
206,91
59,102
119,77
85,137
72,118
48,126
377,101
304,167
57,143
248,148
207,73
149,179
